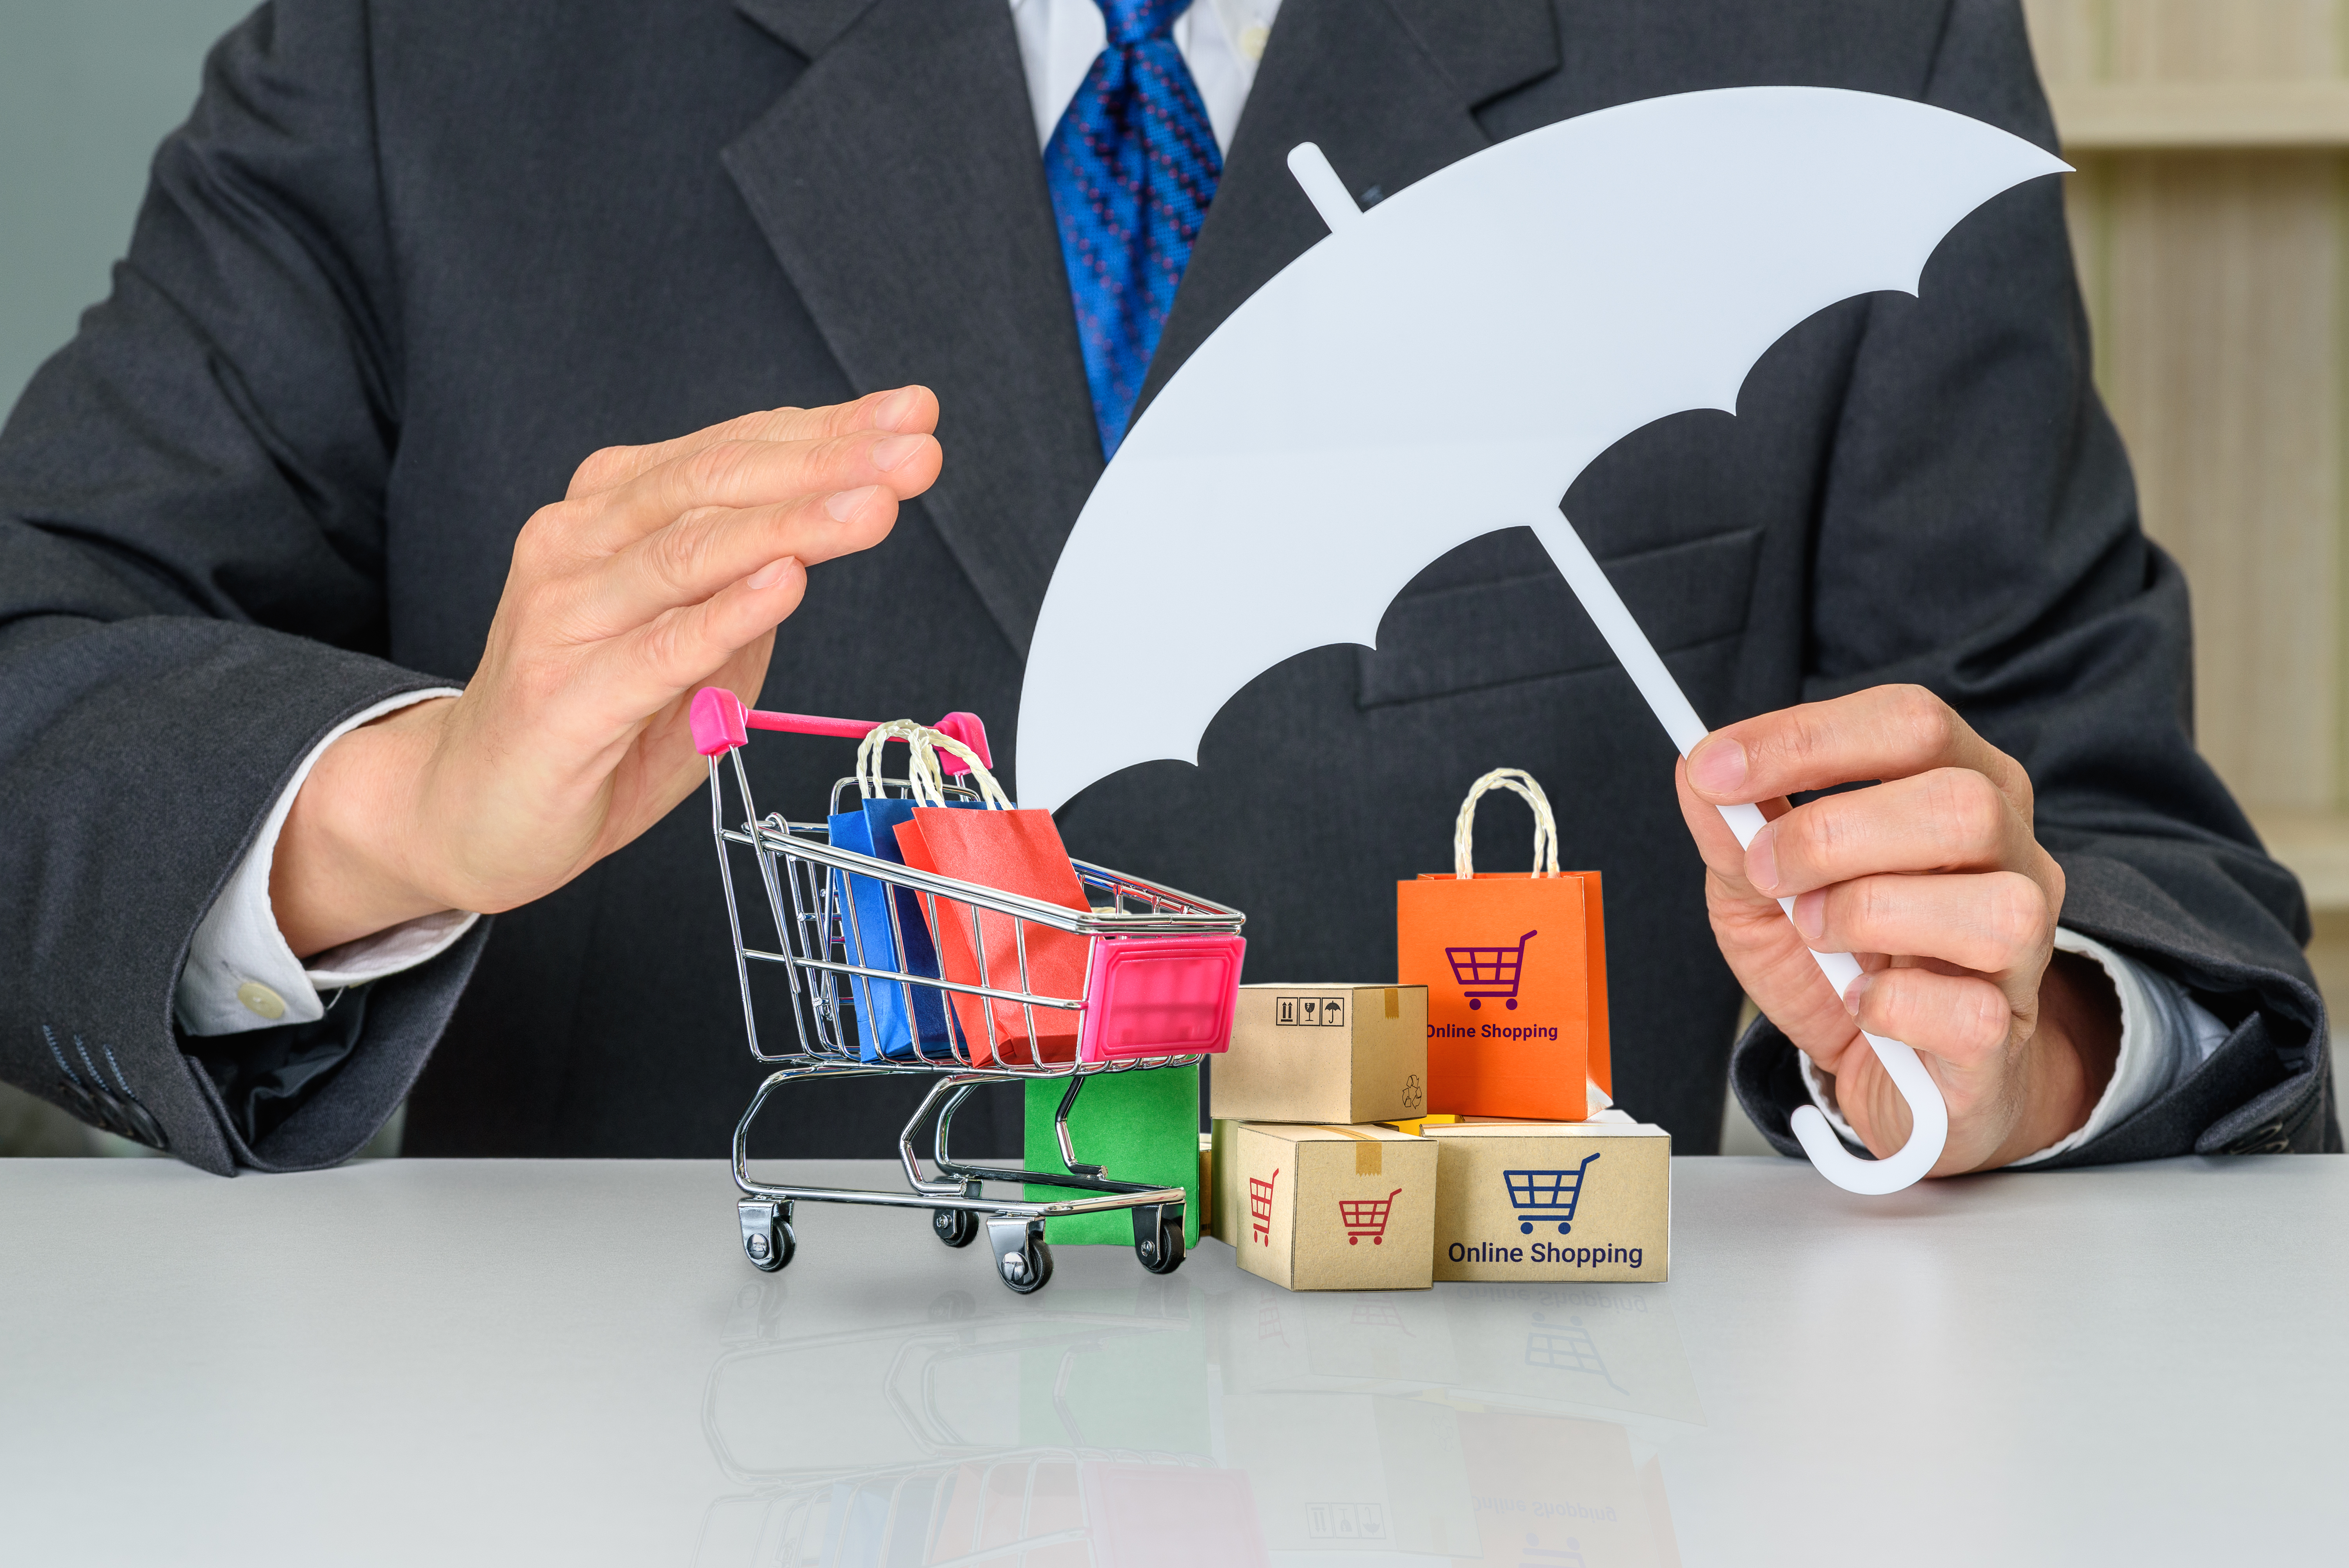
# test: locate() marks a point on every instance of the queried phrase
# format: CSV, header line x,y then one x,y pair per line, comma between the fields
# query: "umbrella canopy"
x,y
1446,364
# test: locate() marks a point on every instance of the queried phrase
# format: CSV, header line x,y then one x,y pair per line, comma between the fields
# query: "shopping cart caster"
x,y
767,1237
1021,1258
955,1227
1158,1237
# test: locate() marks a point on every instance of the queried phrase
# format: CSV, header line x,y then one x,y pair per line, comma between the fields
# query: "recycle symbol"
x,y
1410,1092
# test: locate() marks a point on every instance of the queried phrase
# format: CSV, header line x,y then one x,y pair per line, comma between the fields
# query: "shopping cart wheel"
x,y
767,1237
1158,1237
955,1227
1021,1258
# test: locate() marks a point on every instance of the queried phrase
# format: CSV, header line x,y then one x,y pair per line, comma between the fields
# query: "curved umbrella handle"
x,y
1930,1114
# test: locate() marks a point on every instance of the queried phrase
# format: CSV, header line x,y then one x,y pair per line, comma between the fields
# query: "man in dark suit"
x,y
320,457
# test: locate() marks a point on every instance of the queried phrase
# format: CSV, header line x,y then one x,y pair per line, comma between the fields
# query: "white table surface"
x,y
428,1362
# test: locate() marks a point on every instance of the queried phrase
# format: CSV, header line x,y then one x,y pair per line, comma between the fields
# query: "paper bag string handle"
x,y
926,778
922,768
1519,782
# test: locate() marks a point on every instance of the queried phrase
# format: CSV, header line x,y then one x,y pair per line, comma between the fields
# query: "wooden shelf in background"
x,y
2121,116
2316,846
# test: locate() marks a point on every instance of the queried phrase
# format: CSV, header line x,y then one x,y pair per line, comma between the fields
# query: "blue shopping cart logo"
x,y
1546,1197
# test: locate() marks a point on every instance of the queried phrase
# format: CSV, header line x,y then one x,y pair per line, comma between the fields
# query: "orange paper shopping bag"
x,y
1516,969
1013,851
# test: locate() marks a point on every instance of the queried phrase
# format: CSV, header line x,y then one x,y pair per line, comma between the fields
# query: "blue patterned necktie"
x,y
1132,167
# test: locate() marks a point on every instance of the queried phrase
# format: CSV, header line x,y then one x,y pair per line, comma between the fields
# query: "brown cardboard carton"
x,y
1340,1054
1223,1209
1334,1208
1554,1202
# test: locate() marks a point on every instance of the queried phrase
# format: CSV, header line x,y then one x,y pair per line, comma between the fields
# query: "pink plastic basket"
x,y
1159,997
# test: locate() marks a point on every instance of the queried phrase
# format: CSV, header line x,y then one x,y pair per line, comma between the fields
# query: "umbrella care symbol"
x,y
1582,281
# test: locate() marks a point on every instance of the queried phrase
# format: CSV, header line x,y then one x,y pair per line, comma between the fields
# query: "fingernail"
x,y
1762,859
1854,992
1811,914
893,412
772,572
892,451
1718,766
844,505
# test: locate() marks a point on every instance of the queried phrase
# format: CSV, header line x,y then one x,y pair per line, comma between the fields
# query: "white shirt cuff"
x,y
240,973
2166,1034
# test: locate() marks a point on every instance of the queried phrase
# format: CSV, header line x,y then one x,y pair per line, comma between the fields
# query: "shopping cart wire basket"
x,y
1161,976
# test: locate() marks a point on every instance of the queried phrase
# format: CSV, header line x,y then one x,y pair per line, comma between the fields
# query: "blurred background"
x,y
2210,220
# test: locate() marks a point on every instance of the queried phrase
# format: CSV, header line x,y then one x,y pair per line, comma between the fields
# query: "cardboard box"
x,y
1335,1208
1223,1211
1516,969
1552,1202
1138,1126
1336,1054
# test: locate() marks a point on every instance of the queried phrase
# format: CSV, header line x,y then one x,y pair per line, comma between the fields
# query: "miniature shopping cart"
x,y
1541,1196
1260,1208
1366,1217
1494,968
1160,974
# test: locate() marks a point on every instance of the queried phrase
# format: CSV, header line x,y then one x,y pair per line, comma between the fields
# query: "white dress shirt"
x,y
242,975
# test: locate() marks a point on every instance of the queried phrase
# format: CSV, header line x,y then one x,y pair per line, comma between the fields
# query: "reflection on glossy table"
x,y
415,1361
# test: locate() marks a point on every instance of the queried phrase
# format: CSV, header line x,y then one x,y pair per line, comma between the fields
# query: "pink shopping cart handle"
x,y
721,723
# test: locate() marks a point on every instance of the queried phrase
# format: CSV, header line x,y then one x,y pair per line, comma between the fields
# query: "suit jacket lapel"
x,y
1388,89
946,269
899,183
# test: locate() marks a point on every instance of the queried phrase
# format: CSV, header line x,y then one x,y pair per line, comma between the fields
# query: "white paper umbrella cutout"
x,y
1445,364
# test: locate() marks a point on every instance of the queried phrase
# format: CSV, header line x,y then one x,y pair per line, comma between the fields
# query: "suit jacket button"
x,y
140,1125
76,1098
108,1111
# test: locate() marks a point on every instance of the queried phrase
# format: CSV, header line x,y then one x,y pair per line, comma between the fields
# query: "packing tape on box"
x,y
1370,1158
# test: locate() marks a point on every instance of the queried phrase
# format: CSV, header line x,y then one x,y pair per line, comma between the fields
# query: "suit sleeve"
x,y
192,597
1978,535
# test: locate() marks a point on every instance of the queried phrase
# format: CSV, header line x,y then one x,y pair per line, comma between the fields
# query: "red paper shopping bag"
x,y
1515,970
1015,852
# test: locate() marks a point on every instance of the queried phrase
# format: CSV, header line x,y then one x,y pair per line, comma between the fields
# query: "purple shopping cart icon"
x,y
1491,971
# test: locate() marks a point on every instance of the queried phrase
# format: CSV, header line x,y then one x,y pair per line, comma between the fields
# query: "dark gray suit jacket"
x,y
407,266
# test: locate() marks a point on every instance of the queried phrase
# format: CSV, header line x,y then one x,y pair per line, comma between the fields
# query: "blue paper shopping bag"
x,y
883,1026
895,1020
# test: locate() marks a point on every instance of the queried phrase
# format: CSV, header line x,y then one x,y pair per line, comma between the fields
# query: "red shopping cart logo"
x,y
1489,972
1366,1217
1260,1208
